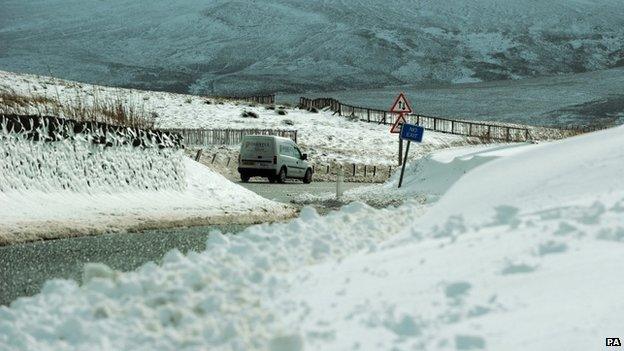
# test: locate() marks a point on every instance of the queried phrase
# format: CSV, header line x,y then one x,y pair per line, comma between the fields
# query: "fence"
x,y
205,137
260,99
226,163
442,125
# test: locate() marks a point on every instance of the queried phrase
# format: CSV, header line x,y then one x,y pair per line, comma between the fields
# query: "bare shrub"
x,y
111,110
249,114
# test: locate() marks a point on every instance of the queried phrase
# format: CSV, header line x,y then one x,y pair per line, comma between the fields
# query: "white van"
x,y
273,157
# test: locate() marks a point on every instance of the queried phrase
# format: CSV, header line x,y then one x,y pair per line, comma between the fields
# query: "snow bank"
x,y
216,299
425,179
582,169
529,263
521,253
74,187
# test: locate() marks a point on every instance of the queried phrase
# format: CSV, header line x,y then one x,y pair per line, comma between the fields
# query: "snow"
x,y
580,169
225,46
72,187
322,135
425,179
584,99
521,252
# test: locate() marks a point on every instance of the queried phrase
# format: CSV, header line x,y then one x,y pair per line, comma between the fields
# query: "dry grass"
x,y
111,110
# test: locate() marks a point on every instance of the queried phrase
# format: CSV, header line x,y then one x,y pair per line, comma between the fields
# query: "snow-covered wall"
x,y
86,162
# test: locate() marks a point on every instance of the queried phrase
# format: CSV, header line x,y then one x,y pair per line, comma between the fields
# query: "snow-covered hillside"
x,y
522,252
324,136
224,46
582,99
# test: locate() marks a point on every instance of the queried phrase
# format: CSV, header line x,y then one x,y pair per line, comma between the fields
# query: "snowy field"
x,y
583,99
521,252
324,136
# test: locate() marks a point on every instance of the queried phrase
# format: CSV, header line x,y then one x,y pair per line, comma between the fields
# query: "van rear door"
x,y
257,151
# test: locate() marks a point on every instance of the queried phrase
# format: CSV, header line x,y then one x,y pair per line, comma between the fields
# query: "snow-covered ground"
x,y
582,99
324,136
225,46
72,187
522,252
425,179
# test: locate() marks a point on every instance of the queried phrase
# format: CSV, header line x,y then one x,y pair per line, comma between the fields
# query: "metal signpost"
x,y
402,107
409,132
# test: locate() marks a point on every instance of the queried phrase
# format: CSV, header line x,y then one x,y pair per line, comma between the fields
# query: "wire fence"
x,y
442,125
259,99
484,131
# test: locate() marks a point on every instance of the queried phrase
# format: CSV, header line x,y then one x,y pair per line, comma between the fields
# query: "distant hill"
x,y
227,47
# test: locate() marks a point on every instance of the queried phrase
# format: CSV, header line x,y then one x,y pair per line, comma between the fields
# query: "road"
x,y
285,192
25,267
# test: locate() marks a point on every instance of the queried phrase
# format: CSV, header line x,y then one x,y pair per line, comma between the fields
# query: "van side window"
x,y
296,152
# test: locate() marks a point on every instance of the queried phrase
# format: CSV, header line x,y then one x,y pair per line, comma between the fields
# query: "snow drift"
x,y
510,258
73,186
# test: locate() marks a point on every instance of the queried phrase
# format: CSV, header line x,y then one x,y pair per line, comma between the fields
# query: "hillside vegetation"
x,y
221,46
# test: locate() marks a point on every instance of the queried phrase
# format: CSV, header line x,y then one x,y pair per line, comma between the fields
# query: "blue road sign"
x,y
412,132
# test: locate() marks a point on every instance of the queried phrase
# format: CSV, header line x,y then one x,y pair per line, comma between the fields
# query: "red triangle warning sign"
x,y
396,127
401,105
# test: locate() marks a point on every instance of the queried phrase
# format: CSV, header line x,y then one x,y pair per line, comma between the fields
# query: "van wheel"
x,y
307,179
244,178
281,176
